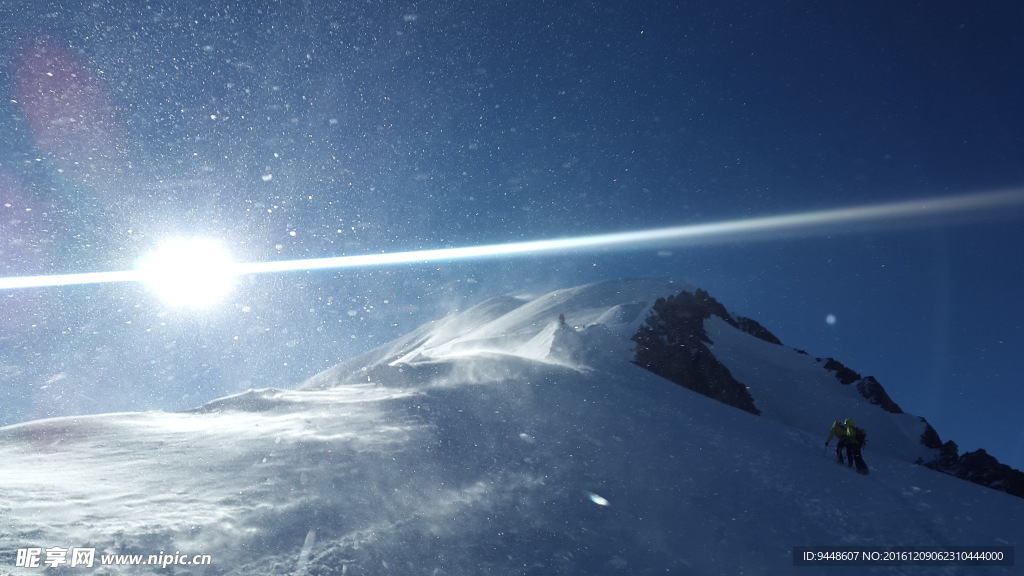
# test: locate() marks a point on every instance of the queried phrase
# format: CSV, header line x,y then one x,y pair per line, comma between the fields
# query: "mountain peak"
x,y
517,433
607,313
676,331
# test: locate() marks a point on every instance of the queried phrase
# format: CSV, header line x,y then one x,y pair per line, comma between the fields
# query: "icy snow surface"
x,y
496,441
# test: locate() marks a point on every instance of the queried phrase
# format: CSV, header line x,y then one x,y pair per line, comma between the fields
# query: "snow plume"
x,y
466,448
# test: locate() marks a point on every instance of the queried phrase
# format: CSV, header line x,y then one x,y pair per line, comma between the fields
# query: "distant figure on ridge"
x,y
561,319
852,439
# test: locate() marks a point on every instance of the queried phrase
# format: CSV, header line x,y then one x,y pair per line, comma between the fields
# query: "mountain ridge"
x,y
509,325
498,440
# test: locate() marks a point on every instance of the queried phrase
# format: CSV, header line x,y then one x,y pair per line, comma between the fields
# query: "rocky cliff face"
x,y
868,387
978,467
673,343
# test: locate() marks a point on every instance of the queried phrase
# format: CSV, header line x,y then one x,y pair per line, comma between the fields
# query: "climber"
x,y
838,432
852,439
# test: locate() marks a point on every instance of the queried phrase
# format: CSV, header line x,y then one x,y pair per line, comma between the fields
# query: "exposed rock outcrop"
x,y
867,386
978,467
672,343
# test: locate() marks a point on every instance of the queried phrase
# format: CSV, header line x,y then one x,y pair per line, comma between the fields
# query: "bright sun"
x,y
189,272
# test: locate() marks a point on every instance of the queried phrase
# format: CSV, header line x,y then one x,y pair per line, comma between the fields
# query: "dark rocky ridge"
x,y
868,387
978,467
672,343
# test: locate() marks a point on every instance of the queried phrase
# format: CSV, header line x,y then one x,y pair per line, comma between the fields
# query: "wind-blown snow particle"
x,y
307,548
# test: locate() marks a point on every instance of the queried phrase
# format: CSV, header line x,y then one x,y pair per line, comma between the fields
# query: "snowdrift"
x,y
496,441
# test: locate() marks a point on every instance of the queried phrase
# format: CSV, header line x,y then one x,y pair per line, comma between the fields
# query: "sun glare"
x,y
199,272
189,272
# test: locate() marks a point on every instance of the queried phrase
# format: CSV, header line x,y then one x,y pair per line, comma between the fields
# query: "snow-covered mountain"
x,y
515,437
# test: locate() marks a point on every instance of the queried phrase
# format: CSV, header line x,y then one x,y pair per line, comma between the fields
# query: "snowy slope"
x,y
791,388
507,325
496,441
796,390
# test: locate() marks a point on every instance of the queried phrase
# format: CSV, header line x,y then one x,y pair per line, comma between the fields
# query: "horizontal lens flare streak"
x,y
806,223
803,222
56,280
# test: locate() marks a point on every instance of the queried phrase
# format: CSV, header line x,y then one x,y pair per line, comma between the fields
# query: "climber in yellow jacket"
x,y
851,439
838,431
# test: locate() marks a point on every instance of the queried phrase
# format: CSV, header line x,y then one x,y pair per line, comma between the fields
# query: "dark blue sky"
x,y
300,130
